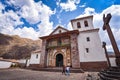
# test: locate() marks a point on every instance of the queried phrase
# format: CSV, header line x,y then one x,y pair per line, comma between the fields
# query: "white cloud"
x,y
114,10
89,11
19,3
109,47
1,7
58,2
8,20
33,13
70,5
45,28
30,14
76,1
98,22
26,33
82,6
69,26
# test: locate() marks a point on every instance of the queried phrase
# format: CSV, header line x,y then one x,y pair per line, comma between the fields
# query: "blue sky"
x,y
35,18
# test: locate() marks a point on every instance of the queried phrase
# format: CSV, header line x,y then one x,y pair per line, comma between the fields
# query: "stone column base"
x,y
117,61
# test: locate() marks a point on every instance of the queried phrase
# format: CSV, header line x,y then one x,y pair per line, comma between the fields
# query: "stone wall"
x,y
43,54
97,66
74,51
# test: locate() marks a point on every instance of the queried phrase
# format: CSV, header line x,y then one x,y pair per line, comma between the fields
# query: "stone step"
x,y
102,77
112,72
110,75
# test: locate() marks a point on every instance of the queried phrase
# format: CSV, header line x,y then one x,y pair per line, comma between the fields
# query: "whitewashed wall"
x,y
112,61
57,31
22,61
26,62
34,60
96,52
5,64
90,25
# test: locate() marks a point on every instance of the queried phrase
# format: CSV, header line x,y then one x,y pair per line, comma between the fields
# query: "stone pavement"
x,y
24,74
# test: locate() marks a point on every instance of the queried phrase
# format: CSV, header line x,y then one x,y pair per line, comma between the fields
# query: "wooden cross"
x,y
112,39
104,46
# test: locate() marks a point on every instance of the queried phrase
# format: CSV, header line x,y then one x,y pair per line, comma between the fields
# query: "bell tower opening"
x,y
59,60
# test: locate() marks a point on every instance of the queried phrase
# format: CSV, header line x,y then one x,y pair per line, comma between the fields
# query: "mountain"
x,y
16,47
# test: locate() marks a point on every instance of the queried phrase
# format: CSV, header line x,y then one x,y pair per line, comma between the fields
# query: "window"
x,y
86,23
59,31
87,50
59,41
36,56
88,39
78,25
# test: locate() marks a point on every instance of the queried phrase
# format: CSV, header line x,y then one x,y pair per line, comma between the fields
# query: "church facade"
x,y
78,48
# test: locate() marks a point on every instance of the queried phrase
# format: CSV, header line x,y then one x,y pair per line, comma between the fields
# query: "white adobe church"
x,y
79,48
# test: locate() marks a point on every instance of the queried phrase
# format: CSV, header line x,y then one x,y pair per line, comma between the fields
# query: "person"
x,y
63,69
68,70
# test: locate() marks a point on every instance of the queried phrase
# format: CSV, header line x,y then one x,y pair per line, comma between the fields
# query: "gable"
x,y
59,30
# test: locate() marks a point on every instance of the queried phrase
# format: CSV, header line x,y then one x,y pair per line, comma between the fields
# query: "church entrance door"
x,y
59,60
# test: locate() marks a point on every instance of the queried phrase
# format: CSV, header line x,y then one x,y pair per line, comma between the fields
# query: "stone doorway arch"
x,y
52,57
59,60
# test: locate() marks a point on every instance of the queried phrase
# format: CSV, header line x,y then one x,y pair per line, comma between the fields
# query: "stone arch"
x,y
64,57
51,57
59,60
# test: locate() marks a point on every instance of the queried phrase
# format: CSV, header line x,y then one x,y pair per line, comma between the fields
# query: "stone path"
x,y
23,74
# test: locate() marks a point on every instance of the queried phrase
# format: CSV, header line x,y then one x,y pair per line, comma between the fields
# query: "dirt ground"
x,y
24,74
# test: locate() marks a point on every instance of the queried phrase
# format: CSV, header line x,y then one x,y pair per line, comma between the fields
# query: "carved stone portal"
x,y
58,57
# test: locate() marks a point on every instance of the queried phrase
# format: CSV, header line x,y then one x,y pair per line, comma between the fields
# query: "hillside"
x,y
16,47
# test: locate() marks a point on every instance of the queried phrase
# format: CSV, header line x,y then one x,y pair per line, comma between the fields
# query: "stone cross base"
x,y
118,61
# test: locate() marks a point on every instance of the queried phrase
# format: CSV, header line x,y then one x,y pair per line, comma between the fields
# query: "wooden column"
x,y
112,39
108,60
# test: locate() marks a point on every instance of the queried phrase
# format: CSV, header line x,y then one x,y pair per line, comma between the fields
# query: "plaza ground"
x,y
25,74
